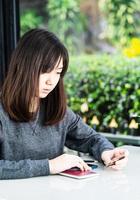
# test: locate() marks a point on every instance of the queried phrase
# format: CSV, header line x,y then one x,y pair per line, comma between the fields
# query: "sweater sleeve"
x,y
22,168
83,138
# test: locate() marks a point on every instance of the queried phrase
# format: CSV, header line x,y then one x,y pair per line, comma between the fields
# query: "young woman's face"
x,y
48,81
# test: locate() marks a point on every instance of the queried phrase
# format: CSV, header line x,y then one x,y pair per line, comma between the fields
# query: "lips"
x,y
46,89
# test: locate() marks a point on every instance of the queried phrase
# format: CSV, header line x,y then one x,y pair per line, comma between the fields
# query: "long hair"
x,y
38,51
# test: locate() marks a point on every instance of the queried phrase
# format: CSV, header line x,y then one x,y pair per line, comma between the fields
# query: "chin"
x,y
43,95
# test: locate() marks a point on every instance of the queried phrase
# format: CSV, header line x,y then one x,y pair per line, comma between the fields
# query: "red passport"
x,y
78,174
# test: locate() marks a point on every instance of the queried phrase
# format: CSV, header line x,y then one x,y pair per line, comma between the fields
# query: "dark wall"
x,y
9,33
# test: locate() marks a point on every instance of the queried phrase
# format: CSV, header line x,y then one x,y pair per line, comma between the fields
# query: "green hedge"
x,y
110,85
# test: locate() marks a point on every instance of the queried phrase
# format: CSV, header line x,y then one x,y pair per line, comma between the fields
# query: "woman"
x,y
35,122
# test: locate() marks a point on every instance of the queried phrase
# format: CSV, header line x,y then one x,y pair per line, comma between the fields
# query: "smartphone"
x,y
90,163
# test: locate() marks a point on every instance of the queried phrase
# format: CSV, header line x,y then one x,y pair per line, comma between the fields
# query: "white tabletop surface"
x,y
109,185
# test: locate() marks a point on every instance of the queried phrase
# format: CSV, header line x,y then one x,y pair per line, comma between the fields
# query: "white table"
x,y
109,185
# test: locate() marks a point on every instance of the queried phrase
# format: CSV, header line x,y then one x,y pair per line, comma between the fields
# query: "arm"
x,y
23,168
83,138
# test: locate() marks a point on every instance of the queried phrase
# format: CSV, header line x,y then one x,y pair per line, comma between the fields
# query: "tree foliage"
x,y
123,19
66,21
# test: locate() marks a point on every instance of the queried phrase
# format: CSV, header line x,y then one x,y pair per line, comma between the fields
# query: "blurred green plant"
x,y
29,20
66,20
123,19
109,85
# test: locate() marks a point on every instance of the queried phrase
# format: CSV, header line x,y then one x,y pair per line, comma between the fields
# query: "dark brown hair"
x,y
38,51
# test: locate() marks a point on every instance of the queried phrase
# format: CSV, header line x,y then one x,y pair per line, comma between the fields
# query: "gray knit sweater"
x,y
25,148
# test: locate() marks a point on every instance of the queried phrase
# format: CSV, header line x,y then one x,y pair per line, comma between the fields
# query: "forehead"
x,y
59,63
52,64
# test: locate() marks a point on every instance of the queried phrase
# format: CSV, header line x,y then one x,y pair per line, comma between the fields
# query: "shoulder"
x,y
2,111
1,133
7,125
70,118
70,114
4,117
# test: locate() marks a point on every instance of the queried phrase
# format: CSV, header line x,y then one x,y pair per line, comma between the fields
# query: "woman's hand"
x,y
66,161
116,158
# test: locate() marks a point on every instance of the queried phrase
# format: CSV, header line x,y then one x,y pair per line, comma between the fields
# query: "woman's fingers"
x,y
82,165
66,161
116,158
120,163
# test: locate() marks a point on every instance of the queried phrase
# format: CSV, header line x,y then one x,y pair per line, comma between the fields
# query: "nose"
x,y
48,82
